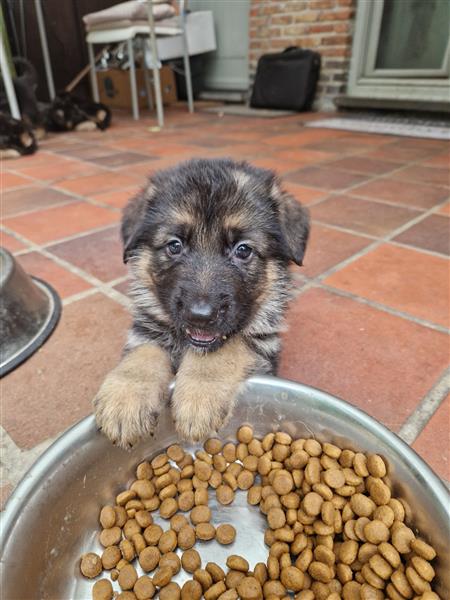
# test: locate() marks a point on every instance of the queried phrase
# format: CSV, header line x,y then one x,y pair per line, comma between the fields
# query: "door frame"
x,y
366,81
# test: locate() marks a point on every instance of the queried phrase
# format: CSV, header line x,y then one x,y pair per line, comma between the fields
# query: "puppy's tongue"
x,y
201,336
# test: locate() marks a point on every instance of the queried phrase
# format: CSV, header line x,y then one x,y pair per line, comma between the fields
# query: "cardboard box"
x,y
115,90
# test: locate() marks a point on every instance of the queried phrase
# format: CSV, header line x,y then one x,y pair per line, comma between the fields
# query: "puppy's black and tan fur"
x,y
208,244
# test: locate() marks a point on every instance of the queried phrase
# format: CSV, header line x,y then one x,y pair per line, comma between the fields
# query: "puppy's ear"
x,y
133,222
294,221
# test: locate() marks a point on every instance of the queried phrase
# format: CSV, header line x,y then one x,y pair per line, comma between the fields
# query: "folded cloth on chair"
x,y
134,10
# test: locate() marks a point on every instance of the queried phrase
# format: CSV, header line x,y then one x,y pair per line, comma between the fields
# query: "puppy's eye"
x,y
243,251
174,247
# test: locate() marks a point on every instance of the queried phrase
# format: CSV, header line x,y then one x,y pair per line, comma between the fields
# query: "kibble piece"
x,y
130,528
376,532
225,534
215,591
143,518
320,572
149,558
190,560
241,451
215,571
110,537
204,578
177,522
273,589
237,563
144,588
229,452
110,557
244,434
282,482
168,541
292,578
362,505
202,470
334,478
124,497
121,516
168,508
423,549
245,479
312,503
367,592
229,595
91,565
376,466
379,491
127,577
107,517
213,446
401,539
423,568
254,495
205,531
152,534
186,537
191,590
172,561
162,576
201,497
171,591
380,566
276,518
390,554
250,589
102,590
224,494
127,550
200,514
418,584
143,488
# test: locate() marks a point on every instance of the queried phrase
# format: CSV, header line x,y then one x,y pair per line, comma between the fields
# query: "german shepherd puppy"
x,y
208,244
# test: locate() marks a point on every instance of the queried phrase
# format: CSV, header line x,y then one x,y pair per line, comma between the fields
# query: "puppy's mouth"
x,y
202,338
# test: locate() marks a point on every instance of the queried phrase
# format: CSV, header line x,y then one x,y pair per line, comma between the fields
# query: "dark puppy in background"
x,y
208,243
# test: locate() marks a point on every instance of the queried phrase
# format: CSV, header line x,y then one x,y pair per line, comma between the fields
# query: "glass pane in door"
x,y
414,34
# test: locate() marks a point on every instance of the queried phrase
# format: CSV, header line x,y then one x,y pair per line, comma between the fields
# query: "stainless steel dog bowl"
x,y
51,519
29,311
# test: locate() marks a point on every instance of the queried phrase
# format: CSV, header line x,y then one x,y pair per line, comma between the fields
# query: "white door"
x,y
227,67
401,50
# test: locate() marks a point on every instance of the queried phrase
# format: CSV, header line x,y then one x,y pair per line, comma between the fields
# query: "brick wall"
x,y
322,25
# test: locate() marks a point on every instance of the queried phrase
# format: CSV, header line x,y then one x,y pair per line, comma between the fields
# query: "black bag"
x,y
286,80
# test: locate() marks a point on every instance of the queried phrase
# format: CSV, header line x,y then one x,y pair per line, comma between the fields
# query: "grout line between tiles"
x,y
415,423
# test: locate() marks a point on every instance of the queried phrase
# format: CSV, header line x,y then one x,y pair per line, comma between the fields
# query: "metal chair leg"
x,y
93,73
156,78
134,98
187,71
8,82
44,45
148,89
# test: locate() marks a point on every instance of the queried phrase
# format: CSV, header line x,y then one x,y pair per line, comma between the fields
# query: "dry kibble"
x,y
143,488
127,550
238,563
162,576
376,466
244,434
334,478
200,514
380,566
204,578
224,494
292,578
312,503
320,572
362,505
110,537
110,557
423,568
205,531
423,549
225,534
215,571
376,532
390,554
233,578
276,518
127,577
245,479
102,590
172,561
250,589
107,517
171,591
149,558
401,539
254,495
168,541
144,588
190,560
168,508
283,482
91,565
215,591
230,594
191,590
186,537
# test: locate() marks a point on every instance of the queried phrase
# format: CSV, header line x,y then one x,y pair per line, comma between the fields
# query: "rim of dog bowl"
x,y
54,453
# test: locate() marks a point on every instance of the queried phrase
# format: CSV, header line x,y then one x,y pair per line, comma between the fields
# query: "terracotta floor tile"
x,y
99,254
88,151
11,180
59,171
328,247
66,372
117,199
361,164
445,210
432,175
11,243
326,178
433,233
439,160
303,156
303,194
433,442
408,280
32,198
120,159
94,184
361,354
400,153
402,192
123,287
343,145
280,166
64,282
42,157
55,223
363,216
302,137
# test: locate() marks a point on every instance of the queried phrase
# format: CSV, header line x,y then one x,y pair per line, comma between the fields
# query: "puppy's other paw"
x,y
126,410
196,414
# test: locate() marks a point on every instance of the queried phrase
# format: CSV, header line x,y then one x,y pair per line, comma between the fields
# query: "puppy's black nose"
x,y
201,313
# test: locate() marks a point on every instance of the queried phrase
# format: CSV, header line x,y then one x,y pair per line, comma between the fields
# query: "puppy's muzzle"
x,y
201,318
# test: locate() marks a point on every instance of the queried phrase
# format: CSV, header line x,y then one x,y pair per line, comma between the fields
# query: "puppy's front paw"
x,y
126,410
199,410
